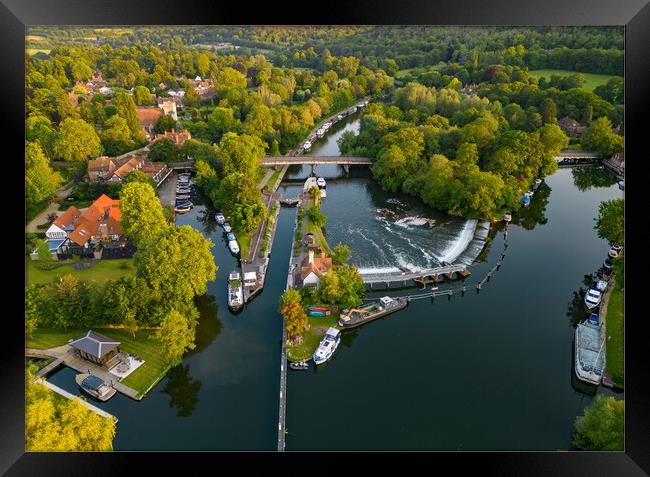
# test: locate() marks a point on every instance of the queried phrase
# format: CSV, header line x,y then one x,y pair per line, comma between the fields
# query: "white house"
x,y
105,91
313,268
63,225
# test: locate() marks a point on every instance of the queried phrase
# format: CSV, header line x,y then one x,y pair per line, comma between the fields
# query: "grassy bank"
x,y
100,273
593,80
614,323
317,231
144,344
311,338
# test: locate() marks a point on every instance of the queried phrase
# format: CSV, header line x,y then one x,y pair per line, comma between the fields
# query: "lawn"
x,y
244,240
272,179
593,80
317,231
614,322
311,338
144,345
101,272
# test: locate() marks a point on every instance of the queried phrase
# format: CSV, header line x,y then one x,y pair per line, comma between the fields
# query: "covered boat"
x,y
589,351
371,311
96,387
219,217
235,291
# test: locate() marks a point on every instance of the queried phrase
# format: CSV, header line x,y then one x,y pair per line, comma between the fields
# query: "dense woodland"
x,y
465,97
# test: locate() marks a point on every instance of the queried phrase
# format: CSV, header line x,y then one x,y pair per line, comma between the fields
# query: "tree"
x,y
116,136
164,123
316,216
163,150
350,287
40,180
191,97
549,111
76,141
33,298
43,251
328,289
142,215
315,195
39,129
177,264
142,95
53,424
610,223
126,108
601,427
221,121
141,177
295,319
176,334
340,254
600,138
241,153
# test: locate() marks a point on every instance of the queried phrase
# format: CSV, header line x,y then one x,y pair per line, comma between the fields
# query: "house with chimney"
x,y
177,137
314,266
115,169
168,107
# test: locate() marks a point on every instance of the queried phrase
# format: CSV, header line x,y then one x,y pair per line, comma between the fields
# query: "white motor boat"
x,y
592,298
320,132
307,146
219,217
327,346
233,246
227,228
96,387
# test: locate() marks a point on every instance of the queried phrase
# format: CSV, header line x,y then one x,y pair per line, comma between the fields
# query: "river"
x,y
488,371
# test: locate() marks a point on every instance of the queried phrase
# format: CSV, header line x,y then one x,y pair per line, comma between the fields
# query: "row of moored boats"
x,y
589,338
184,190
320,132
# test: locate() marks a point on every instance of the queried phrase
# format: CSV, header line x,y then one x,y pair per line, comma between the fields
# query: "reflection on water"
x,y
535,214
592,176
183,390
209,325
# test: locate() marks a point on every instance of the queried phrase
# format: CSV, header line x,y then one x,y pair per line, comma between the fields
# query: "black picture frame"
x,y
634,14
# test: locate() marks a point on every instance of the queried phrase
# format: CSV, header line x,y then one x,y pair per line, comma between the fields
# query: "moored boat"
x,y
318,308
507,217
592,298
227,228
299,366
307,146
525,200
327,346
536,184
358,316
601,285
235,291
320,132
219,217
614,251
589,351
317,313
96,387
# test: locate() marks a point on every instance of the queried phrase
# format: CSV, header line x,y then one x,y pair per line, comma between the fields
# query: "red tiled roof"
x,y
68,217
148,117
127,167
101,218
320,266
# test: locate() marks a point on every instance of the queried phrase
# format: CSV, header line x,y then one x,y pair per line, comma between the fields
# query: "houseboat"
x,y
96,387
372,311
235,291
589,351
327,346
592,298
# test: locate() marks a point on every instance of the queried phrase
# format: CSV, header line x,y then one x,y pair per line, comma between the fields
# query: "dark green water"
x,y
487,371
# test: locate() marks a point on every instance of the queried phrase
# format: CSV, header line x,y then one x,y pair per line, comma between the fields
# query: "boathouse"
x,y
96,348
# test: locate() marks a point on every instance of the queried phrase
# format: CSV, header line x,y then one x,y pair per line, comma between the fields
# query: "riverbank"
x,y
615,334
311,338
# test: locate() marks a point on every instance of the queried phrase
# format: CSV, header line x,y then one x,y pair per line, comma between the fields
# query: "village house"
x,y
168,107
97,348
571,126
148,118
177,137
115,169
314,266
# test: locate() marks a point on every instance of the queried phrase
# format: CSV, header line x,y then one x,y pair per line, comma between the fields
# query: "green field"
x,y
144,344
100,273
593,80
614,322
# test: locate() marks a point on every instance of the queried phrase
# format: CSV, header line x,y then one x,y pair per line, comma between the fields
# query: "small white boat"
x,y
181,209
307,146
227,228
96,387
235,291
233,246
327,125
621,185
339,117
507,217
320,132
592,298
323,193
320,182
219,217
327,346
601,285
299,366
536,184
